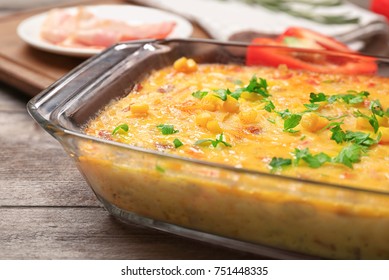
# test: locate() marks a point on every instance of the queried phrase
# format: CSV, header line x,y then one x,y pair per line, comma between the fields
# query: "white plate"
x,y
29,29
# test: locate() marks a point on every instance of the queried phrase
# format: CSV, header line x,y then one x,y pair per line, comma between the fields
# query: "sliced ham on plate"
x,y
84,29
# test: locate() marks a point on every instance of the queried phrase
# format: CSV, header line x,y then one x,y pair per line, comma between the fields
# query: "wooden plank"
x,y
91,233
35,170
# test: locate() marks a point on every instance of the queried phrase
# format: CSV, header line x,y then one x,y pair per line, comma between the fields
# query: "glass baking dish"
x,y
264,213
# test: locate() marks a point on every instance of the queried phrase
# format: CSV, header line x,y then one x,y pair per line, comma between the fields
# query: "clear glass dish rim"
x,y
55,129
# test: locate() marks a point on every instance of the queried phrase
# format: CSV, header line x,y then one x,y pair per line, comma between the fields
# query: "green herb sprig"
x,y
167,129
122,127
219,140
256,85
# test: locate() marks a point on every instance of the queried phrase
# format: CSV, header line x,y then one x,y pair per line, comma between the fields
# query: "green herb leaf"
x,y
312,107
160,169
271,121
320,97
219,140
349,155
372,119
269,106
122,127
258,86
284,114
177,143
278,162
236,94
349,98
333,118
222,93
167,129
291,122
360,138
314,161
352,97
337,133
376,108
199,94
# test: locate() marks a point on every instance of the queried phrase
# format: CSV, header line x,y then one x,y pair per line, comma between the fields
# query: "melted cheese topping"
x,y
256,135
270,210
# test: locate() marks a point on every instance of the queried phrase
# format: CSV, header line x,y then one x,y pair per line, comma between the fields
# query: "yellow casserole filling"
x,y
255,135
322,127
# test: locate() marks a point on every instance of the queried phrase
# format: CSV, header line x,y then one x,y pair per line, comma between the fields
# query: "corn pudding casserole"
x,y
326,128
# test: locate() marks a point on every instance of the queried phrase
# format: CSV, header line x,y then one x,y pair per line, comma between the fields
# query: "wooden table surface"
x,y
47,211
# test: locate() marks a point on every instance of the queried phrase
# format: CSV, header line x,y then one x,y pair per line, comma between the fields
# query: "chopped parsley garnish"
x,y
269,105
255,85
219,140
320,97
236,94
314,161
347,156
199,94
334,118
361,138
352,97
284,114
271,121
160,169
357,137
119,128
350,154
258,86
338,135
376,109
222,93
373,121
177,143
312,107
167,129
291,122
278,162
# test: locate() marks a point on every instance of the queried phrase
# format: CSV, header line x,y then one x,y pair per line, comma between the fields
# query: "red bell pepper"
x,y
380,7
326,42
347,62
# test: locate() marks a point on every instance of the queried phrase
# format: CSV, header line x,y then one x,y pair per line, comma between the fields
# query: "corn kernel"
x,y
362,123
231,105
384,135
185,65
139,108
312,122
213,126
203,118
383,121
191,65
211,103
250,96
249,116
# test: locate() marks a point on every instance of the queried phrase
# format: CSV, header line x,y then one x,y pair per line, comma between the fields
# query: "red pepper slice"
x,y
274,52
326,42
380,7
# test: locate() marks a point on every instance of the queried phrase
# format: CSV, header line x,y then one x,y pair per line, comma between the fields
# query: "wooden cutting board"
x,y
31,70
